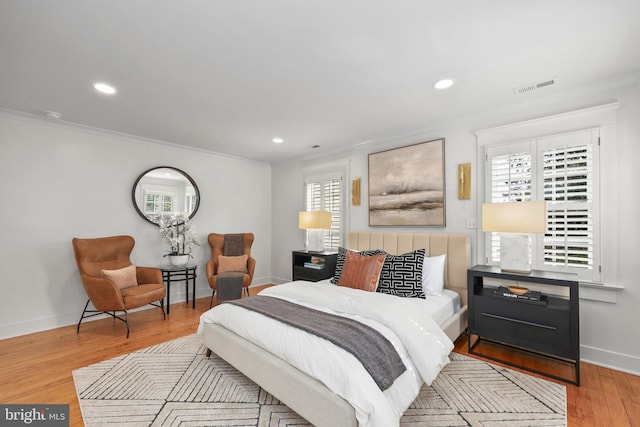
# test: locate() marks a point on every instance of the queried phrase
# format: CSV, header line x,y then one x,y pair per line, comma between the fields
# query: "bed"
x,y
308,396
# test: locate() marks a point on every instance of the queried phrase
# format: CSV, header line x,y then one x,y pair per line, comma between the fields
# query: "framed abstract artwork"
x,y
406,186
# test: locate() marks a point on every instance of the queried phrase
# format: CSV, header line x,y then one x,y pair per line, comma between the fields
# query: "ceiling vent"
x,y
534,86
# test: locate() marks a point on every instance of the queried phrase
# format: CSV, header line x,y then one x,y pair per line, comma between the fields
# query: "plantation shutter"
x,y
563,171
510,180
569,171
326,194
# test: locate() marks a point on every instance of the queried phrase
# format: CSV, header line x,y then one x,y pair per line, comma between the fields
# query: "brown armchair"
x,y
111,282
217,243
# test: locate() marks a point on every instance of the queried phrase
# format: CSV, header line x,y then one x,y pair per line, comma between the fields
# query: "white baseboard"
x,y
609,359
38,325
46,323
279,280
53,322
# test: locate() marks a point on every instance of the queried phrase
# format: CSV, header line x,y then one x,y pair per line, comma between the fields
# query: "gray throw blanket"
x,y
370,347
233,244
229,284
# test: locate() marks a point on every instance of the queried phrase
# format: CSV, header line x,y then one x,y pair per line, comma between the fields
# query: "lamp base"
x,y
514,253
315,240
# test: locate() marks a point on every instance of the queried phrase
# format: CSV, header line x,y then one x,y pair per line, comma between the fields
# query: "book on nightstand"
x,y
531,297
313,265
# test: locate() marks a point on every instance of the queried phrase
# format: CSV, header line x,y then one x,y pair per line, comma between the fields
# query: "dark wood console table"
x,y
551,329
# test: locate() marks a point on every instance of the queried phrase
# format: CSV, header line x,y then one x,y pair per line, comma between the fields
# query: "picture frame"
x,y
407,186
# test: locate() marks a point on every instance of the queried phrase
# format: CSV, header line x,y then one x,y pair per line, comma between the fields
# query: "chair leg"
x,y
98,313
82,316
211,302
126,317
164,313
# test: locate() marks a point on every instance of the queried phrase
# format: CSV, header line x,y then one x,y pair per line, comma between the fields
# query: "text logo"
x,y
34,415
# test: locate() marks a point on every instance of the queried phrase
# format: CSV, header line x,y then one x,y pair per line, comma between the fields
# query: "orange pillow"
x,y
232,263
123,277
361,272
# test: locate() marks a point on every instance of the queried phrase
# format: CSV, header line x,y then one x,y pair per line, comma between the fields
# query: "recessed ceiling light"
x,y
104,88
278,140
443,84
53,115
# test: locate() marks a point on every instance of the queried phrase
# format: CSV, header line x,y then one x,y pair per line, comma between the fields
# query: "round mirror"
x,y
165,190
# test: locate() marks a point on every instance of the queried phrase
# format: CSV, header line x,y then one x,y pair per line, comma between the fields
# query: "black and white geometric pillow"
x,y
342,255
401,275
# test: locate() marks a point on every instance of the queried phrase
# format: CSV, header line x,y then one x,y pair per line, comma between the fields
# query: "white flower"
x,y
181,235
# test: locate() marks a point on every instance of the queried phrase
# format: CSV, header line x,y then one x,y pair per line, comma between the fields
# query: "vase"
x,y
178,260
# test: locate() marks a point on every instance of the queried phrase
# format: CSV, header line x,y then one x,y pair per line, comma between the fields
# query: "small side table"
x,y
183,273
304,269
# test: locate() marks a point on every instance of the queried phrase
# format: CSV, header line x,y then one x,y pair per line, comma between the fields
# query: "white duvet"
x,y
422,345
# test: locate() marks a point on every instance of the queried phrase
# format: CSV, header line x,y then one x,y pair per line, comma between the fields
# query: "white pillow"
x,y
433,275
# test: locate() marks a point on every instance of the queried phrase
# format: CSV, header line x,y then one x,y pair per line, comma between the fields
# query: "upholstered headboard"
x,y
455,246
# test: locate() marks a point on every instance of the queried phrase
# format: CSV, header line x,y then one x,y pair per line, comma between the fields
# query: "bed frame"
x,y
308,396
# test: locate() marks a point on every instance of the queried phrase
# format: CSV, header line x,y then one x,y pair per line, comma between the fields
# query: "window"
x,y
326,194
563,171
510,181
157,203
190,201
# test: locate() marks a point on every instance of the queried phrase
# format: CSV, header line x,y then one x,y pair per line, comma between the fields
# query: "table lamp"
x,y
314,222
515,221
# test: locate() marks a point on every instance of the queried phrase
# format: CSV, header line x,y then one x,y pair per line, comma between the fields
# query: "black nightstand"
x,y
551,329
313,266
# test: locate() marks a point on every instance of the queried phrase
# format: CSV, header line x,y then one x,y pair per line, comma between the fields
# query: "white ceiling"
x,y
229,75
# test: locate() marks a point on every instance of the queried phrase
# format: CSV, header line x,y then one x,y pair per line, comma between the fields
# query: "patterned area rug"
x,y
174,384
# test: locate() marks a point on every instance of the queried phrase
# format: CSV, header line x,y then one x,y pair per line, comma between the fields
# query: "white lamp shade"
x,y
515,217
314,219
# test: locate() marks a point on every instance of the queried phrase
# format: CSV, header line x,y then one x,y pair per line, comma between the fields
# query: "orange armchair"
x,y
111,282
216,241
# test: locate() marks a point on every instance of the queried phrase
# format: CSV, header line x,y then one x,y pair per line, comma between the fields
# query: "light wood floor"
x,y
36,368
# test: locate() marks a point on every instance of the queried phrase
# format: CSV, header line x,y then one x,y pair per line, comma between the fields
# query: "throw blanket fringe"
x,y
370,347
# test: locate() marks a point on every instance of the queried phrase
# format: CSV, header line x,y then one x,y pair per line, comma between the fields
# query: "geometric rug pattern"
x,y
173,384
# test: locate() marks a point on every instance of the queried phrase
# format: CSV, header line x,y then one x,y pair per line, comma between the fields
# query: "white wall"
x,y
608,329
288,200
61,181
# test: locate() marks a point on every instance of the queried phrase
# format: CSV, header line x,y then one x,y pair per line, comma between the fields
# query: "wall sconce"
x,y
515,221
464,181
355,192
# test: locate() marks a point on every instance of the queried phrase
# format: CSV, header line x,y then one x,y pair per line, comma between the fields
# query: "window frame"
x,y
326,172
331,237
163,197
603,117
536,148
